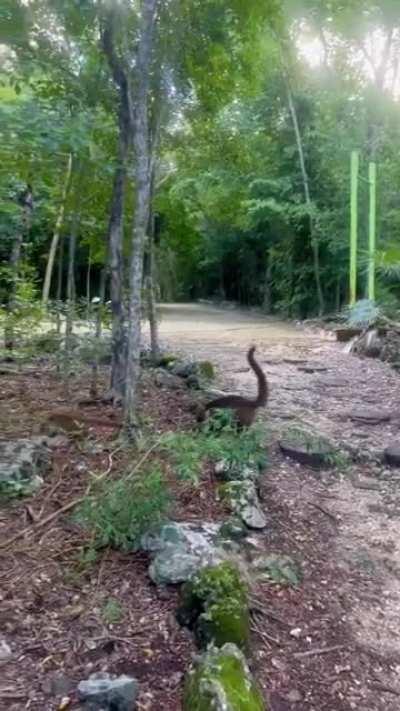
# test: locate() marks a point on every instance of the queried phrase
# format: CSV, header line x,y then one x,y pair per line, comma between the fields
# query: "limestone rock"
x,y
233,529
103,692
370,417
171,566
308,449
221,680
226,471
23,463
181,549
243,499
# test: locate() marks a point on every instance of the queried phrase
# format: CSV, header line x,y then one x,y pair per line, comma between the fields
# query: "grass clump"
x,y
119,512
112,612
219,439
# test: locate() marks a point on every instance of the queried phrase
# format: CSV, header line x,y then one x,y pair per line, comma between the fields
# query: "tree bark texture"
x,y
116,220
150,293
56,235
142,204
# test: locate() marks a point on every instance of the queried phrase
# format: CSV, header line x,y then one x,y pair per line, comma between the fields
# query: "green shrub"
x,y
112,611
217,440
120,511
45,343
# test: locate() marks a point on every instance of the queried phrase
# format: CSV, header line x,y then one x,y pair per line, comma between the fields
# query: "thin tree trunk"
x,y
305,178
56,234
59,282
71,278
26,201
98,333
115,226
71,290
150,293
88,277
142,203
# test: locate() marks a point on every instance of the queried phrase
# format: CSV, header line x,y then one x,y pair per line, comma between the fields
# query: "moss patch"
x,y
214,604
221,680
206,370
225,621
167,359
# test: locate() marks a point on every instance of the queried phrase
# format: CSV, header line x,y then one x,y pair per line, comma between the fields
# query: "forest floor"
x,y
332,644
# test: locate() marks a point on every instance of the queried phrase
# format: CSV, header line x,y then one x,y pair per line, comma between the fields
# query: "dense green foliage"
x,y
232,219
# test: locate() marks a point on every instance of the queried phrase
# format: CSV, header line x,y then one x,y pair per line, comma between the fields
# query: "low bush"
x,y
118,512
217,440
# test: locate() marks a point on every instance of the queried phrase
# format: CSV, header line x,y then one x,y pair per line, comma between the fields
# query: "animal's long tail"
x,y
263,392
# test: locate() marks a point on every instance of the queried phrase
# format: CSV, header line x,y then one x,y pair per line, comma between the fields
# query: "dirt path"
x,y
344,525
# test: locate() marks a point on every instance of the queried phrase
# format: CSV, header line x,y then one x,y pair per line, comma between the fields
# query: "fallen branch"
x,y
264,635
324,511
39,524
319,650
143,459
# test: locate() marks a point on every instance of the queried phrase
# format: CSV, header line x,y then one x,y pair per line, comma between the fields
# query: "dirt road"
x,y
343,525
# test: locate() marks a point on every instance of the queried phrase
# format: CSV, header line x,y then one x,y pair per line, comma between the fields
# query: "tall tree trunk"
x,y
115,225
142,203
115,235
26,202
56,234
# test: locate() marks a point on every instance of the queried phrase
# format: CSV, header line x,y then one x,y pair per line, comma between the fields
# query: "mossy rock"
x,y
166,360
233,529
206,370
237,492
227,620
214,604
221,680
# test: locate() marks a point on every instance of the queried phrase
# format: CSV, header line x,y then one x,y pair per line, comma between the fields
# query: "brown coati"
x,y
244,408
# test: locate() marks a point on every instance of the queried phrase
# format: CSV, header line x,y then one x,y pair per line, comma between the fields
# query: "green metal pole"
x,y
372,231
353,226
